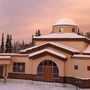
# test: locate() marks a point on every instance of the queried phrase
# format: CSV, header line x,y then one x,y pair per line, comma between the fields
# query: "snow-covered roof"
x,y
60,36
5,57
65,22
82,78
87,50
50,51
12,54
81,55
54,44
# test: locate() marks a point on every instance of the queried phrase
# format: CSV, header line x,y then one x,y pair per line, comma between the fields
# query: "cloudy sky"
x,y
21,18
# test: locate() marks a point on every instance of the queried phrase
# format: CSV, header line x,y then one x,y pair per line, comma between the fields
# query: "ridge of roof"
x,y
87,50
55,44
50,51
12,54
5,57
60,35
81,55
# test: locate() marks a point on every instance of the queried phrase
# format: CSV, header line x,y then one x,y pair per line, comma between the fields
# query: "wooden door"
x,y
47,73
1,71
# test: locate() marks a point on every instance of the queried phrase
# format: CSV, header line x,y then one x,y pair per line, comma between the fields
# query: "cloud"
x,y
23,17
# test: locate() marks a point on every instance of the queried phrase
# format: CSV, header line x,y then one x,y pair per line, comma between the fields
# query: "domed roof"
x,y
65,22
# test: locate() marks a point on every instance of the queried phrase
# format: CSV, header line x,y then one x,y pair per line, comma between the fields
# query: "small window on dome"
x,y
73,29
61,30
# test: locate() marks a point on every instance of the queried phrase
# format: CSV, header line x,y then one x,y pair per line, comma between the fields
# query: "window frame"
x,y
17,67
88,68
76,67
48,63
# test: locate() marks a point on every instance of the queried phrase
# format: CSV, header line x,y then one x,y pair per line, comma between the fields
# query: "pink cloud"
x,y
23,17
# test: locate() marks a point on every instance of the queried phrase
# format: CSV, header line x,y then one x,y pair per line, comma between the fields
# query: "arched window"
x,y
50,64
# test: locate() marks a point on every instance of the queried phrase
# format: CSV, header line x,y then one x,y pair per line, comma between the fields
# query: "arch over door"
x,y
47,70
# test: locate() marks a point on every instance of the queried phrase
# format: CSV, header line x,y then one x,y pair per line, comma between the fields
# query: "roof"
x,y
65,22
61,36
54,44
5,57
87,50
81,56
12,54
83,78
49,51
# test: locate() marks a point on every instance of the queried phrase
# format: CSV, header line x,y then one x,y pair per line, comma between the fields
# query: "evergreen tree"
x,y
39,33
7,44
10,44
87,35
33,43
23,43
2,43
16,47
36,34
78,31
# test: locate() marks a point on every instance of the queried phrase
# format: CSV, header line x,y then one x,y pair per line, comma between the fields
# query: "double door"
x,y
47,73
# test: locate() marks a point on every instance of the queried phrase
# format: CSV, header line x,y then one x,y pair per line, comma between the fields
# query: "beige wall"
x,y
2,62
66,28
68,67
65,68
20,59
79,45
31,65
82,71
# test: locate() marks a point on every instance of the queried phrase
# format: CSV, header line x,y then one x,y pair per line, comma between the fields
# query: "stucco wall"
x,y
82,71
66,28
20,59
65,68
79,45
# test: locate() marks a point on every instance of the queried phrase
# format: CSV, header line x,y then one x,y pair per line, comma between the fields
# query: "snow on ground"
x,y
16,86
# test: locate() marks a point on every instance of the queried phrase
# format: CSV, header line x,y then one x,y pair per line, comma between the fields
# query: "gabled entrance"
x,y
47,70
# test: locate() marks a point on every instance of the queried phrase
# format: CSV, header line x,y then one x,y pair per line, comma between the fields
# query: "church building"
x,y
62,57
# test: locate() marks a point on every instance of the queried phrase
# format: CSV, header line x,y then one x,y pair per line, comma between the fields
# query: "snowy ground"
x,y
29,85
11,86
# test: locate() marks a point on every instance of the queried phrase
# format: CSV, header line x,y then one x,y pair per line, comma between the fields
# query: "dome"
x,y
65,22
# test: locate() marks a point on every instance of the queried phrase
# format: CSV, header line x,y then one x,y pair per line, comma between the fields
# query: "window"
x,y
76,67
88,68
55,72
73,29
40,71
19,67
61,30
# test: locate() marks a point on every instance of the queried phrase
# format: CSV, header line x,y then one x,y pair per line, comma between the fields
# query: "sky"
x,y
22,18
